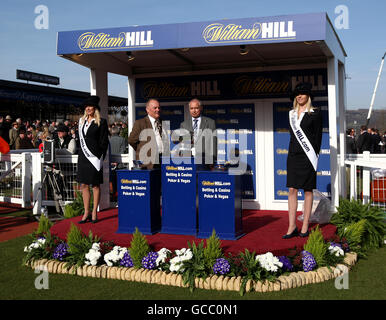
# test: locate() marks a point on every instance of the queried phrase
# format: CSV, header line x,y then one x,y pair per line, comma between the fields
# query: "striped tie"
x,y
195,128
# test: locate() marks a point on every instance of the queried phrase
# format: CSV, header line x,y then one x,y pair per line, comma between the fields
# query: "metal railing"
x,y
22,174
366,178
15,178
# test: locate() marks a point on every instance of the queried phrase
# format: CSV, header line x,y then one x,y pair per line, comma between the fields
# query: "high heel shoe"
x,y
303,235
85,220
292,234
96,219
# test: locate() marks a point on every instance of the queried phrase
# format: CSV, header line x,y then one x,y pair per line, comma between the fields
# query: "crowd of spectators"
x,y
26,134
368,139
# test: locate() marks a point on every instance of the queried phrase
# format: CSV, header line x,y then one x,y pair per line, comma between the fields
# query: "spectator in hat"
x,y
63,141
23,141
74,134
13,135
5,126
94,141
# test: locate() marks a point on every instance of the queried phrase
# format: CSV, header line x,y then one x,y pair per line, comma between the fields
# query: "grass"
x,y
367,281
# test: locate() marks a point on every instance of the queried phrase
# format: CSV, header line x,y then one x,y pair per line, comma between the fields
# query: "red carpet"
x,y
263,229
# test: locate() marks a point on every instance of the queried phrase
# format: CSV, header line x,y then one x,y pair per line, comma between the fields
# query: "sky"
x,y
23,46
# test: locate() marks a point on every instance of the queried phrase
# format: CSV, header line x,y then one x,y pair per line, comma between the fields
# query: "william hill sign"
x,y
135,39
218,32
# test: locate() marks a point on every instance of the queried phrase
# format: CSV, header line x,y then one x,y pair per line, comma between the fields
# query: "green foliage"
x,y
76,208
248,267
78,246
316,246
139,248
44,225
43,251
371,231
354,234
195,267
251,269
212,251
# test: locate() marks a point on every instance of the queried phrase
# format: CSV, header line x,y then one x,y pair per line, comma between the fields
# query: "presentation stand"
x,y
219,203
139,194
179,214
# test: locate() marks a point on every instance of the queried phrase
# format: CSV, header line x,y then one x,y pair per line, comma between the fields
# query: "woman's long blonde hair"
x,y
309,106
97,116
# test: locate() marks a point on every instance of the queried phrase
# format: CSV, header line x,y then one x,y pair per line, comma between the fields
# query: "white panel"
x,y
98,86
333,105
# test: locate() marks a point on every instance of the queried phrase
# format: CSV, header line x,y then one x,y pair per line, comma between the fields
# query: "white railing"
x,y
15,178
367,178
23,173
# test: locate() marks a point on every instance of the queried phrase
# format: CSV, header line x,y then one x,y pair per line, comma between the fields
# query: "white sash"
x,y
302,138
97,163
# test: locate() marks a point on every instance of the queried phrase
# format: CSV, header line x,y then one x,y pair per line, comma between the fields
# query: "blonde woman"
x,y
303,152
93,136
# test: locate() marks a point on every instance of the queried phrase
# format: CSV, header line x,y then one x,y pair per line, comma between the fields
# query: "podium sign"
x,y
179,214
219,203
139,201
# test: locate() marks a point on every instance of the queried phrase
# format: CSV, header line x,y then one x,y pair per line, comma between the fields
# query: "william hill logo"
x,y
92,41
218,32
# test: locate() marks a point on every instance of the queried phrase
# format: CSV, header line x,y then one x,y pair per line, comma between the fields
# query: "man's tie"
x,y
158,126
195,128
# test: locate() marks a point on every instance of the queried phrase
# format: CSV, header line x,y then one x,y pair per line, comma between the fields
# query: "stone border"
x,y
214,282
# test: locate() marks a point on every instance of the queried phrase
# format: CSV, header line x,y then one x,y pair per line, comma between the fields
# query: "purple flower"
x,y
287,265
346,247
334,244
221,266
149,262
60,251
309,262
126,261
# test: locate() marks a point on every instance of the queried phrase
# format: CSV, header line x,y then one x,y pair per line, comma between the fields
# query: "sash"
x,y
302,138
97,163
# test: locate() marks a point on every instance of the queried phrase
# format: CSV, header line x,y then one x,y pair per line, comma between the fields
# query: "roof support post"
x,y
342,128
333,113
130,113
98,87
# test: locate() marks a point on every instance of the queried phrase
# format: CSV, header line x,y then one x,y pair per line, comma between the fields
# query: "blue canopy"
x,y
288,28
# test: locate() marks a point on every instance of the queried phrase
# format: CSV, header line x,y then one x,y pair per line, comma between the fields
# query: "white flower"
x,y
35,245
177,263
336,250
93,254
269,262
162,256
114,255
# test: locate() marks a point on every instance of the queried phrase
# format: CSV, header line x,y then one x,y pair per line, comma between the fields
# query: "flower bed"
x,y
198,266
214,282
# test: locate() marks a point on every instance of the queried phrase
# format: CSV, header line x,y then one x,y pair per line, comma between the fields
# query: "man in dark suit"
x,y
351,147
202,130
146,137
364,140
375,140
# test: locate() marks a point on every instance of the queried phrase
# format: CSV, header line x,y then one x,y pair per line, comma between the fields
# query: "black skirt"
x,y
300,172
87,174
